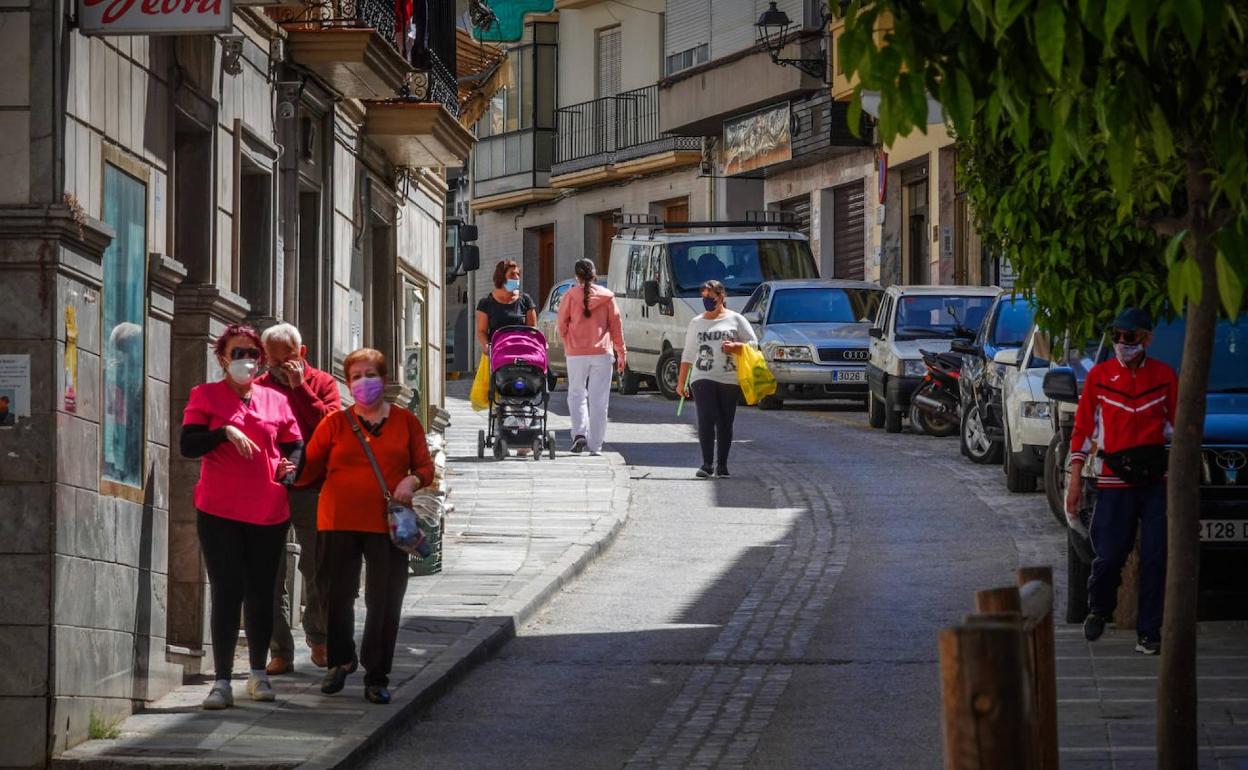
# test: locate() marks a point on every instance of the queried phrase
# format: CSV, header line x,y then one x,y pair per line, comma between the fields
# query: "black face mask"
x,y
710,303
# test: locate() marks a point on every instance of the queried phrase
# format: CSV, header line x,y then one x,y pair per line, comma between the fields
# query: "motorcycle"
x,y
934,406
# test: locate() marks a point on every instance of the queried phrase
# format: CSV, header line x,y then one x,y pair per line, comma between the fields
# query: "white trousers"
x,y
589,389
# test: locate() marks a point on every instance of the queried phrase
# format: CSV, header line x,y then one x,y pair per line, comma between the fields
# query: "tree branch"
x,y
1166,227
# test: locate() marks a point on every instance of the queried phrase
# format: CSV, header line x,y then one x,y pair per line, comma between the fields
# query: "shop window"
x,y
255,239
123,316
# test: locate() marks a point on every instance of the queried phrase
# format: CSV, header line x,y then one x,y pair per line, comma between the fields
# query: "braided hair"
x,y
585,273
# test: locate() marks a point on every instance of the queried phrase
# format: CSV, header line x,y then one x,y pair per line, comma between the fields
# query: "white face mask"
x,y
1127,353
242,371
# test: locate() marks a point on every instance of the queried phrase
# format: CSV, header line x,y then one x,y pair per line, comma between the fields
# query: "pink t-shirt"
x,y
229,486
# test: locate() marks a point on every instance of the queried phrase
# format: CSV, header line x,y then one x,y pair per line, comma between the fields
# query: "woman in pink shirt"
x,y
250,449
589,324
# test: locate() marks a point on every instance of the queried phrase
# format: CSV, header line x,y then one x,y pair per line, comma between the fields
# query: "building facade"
x,y
288,165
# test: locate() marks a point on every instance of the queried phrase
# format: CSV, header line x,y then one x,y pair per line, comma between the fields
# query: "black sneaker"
x,y
722,473
705,472
1148,645
578,445
1093,627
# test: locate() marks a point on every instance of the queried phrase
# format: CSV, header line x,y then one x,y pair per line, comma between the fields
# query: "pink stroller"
x,y
519,397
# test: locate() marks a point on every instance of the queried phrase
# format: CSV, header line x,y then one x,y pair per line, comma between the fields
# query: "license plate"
x,y
845,375
1229,531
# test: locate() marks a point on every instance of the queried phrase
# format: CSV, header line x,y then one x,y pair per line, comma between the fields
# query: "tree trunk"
x,y
1177,737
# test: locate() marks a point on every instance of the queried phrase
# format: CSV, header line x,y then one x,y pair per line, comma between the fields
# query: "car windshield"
x,y
740,264
1012,323
925,316
824,306
1228,369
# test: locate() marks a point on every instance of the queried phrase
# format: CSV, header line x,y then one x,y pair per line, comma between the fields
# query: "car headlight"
x,y
1036,410
913,368
791,353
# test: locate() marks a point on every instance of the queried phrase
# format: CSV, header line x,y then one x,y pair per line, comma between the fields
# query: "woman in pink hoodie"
x,y
589,323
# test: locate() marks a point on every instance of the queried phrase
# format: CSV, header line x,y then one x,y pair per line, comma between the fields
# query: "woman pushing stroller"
x,y
589,324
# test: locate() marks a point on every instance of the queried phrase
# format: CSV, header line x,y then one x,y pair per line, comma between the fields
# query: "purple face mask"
x,y
368,390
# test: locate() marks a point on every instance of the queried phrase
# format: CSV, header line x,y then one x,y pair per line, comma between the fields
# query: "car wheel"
x,y
770,402
667,373
875,412
1016,479
975,442
1077,573
892,416
1055,479
629,382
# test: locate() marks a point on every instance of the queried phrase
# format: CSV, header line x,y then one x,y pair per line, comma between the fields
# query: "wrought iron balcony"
x,y
612,130
435,84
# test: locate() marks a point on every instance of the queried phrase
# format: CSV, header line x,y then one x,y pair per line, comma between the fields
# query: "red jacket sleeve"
x,y
1085,419
316,454
315,399
422,463
1172,401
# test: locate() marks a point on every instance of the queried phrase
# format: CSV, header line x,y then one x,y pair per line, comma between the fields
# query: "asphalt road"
x,y
784,618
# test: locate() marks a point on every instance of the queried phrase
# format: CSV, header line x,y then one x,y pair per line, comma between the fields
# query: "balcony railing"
x,y
435,84
613,129
356,14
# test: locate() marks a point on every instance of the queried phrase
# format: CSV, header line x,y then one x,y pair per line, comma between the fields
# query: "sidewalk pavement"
x,y
1107,694
520,530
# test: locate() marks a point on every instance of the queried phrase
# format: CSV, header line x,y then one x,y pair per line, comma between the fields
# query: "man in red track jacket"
x,y
312,395
1126,411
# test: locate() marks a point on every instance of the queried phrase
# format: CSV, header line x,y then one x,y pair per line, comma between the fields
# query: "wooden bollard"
x,y
984,696
1042,649
1004,599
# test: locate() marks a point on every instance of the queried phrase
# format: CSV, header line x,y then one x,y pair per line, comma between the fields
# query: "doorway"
x,y
916,243
545,262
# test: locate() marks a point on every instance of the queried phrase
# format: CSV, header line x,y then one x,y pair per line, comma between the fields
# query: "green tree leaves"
x,y
1051,36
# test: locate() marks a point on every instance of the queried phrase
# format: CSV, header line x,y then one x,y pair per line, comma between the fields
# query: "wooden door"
x,y
545,263
676,211
606,231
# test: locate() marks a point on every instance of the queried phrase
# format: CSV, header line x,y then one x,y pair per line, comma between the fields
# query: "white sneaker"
x,y
595,453
219,697
259,689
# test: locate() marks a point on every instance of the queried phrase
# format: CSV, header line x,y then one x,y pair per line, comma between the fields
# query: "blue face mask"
x,y
512,284
710,303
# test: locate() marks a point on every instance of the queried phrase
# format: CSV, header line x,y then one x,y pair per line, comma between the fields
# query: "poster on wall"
x,y
756,140
154,17
14,388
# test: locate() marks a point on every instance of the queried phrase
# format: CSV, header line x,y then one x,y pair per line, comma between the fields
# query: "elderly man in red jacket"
x,y
1127,411
313,395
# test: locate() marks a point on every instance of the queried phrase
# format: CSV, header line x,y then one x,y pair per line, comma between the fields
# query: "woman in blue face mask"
x,y
506,305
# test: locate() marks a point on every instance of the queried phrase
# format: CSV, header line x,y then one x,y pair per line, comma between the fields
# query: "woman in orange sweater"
x,y
351,521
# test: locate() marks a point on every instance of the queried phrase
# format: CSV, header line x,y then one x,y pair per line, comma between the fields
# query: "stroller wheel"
x,y
537,449
550,444
481,444
500,448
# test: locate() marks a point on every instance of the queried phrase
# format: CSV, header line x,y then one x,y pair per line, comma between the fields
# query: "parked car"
x,y
813,334
1026,426
1224,466
910,318
547,316
1004,328
657,278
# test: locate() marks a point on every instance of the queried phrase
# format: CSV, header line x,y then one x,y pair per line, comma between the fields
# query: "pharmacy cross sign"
x,y
153,17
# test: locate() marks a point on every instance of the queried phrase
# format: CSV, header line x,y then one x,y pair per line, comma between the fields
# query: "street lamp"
x,y
772,30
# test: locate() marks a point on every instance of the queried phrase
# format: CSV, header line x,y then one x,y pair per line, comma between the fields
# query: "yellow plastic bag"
x,y
755,379
480,394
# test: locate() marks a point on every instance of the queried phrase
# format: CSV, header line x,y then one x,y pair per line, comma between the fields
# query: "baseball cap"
x,y
1133,319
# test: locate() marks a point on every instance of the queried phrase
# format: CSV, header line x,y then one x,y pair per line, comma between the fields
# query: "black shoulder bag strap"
x,y
372,460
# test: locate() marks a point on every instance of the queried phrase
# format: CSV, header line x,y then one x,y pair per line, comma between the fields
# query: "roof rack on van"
x,y
755,220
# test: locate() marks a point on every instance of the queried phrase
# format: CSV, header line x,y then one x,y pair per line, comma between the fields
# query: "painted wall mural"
x,y
757,140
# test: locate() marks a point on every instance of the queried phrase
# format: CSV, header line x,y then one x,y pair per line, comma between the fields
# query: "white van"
x,y
657,278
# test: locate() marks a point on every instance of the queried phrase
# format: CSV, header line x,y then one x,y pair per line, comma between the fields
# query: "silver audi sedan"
x,y
813,334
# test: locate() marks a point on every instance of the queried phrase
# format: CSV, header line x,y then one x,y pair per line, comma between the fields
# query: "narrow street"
x,y
785,617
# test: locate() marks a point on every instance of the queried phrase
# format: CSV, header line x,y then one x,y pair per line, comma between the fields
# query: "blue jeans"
x,y
1118,512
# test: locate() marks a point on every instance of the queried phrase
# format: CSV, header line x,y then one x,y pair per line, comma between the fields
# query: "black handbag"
x,y
401,521
1138,465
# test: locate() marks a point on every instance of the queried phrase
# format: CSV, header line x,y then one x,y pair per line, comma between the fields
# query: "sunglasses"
x,y
1126,338
237,354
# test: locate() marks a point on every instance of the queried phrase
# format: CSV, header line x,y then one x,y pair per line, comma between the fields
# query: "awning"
x,y
480,70
871,106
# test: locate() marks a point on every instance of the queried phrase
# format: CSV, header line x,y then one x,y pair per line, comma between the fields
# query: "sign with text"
x,y
153,17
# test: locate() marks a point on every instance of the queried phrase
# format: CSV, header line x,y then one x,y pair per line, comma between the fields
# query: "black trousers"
x,y
1118,514
717,408
242,561
339,555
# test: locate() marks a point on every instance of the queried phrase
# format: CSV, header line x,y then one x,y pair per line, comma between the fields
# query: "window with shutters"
x,y
609,63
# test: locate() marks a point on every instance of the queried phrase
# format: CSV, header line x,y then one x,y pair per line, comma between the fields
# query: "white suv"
x,y
1025,411
911,319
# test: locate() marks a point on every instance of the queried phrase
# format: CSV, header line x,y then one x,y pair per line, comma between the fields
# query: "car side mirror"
x,y
965,347
1008,357
876,334
650,291
754,317
1060,385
